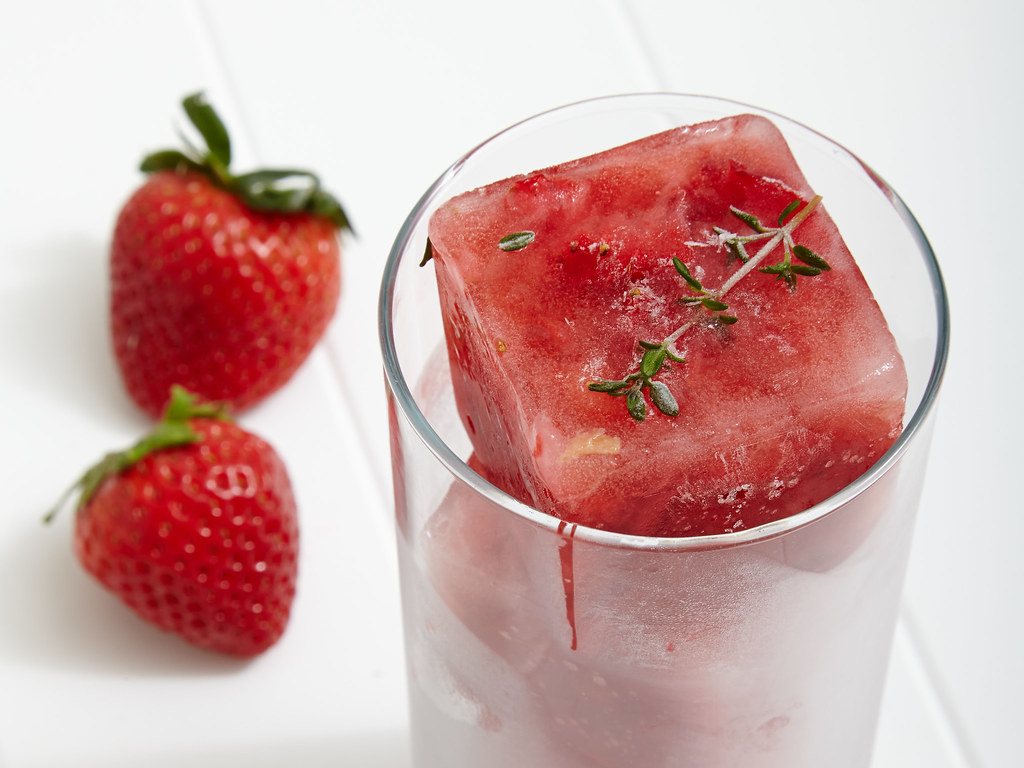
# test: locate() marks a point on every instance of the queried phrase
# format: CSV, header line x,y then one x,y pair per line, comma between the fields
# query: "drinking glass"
x,y
534,643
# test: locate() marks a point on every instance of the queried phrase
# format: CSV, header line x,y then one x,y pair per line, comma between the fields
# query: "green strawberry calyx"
x,y
172,431
277,191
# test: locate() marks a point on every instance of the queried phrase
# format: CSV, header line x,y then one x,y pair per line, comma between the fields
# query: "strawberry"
x,y
220,283
195,529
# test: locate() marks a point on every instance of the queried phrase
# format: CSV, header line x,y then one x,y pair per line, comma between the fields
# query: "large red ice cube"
x,y
777,412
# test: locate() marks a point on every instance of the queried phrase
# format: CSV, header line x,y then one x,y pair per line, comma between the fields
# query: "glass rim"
x,y
460,470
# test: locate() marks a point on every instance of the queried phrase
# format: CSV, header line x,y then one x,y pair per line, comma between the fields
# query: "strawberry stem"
x,y
172,431
185,405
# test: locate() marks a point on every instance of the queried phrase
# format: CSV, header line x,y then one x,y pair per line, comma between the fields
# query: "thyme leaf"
x,y
713,305
516,241
635,403
663,399
788,210
608,386
807,256
428,254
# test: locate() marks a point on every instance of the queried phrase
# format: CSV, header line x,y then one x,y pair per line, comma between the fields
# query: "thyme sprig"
x,y
806,264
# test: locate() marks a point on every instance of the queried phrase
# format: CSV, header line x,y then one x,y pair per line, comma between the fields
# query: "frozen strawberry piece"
x,y
777,412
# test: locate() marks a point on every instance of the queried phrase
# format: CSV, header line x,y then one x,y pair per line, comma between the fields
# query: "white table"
x,y
380,97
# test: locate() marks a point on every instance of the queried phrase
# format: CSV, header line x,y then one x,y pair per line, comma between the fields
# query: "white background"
x,y
380,97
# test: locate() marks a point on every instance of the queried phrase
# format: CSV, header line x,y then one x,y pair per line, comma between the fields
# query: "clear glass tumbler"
x,y
533,643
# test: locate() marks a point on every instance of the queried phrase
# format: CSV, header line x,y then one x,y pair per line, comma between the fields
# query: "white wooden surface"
x,y
380,97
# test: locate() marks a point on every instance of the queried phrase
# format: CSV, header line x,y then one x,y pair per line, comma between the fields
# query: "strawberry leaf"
x,y
283,191
168,160
210,127
323,203
184,405
276,190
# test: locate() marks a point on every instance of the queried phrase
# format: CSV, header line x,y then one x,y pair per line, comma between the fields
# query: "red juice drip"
x,y
565,556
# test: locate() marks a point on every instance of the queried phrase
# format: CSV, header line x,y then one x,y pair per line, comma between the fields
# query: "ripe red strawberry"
x,y
220,283
195,529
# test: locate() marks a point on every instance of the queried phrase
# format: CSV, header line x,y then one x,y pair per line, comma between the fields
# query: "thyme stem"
x,y
633,385
784,232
